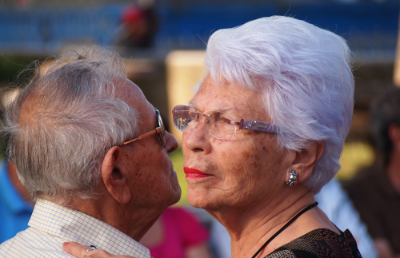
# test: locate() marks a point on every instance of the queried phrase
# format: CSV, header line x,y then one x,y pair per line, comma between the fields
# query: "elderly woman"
x,y
265,131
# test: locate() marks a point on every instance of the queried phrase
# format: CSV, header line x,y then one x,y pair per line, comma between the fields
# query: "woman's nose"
x,y
206,120
198,138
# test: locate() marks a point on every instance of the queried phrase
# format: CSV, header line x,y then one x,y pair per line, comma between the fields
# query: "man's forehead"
x,y
132,95
128,91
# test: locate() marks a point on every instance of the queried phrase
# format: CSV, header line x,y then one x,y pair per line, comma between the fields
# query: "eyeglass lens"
x,y
219,123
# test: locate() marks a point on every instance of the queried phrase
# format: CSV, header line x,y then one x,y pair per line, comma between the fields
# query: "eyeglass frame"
x,y
160,130
246,124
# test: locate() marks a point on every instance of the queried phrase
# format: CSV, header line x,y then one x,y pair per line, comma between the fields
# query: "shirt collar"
x,y
9,194
72,225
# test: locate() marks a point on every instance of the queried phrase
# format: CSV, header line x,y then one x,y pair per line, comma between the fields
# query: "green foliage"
x,y
177,160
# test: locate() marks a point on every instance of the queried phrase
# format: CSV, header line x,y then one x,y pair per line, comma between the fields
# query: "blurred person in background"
x,y
16,205
264,133
139,25
93,154
177,234
375,191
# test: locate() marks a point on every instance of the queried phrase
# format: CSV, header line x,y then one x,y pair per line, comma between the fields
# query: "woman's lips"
x,y
194,173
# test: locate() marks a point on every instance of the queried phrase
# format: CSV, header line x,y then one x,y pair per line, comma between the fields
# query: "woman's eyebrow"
x,y
191,103
224,109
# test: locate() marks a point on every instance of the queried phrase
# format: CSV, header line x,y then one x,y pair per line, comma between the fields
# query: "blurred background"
x,y
163,42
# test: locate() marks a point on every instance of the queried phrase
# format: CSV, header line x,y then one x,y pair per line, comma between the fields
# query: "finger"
x,y
100,254
75,249
104,254
79,251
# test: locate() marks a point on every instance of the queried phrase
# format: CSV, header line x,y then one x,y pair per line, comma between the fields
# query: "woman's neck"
x,y
250,227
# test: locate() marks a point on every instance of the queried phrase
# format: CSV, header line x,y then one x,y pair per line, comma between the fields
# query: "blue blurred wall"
x,y
369,27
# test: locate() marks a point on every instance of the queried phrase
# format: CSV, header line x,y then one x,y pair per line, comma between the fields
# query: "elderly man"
x,y
93,153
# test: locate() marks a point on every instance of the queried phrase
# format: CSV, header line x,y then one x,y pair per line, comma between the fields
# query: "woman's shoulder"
x,y
319,243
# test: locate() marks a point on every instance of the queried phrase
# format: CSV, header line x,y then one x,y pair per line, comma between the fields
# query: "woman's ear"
x,y
306,159
115,176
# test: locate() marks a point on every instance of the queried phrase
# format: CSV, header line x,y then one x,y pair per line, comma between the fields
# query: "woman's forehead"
x,y
211,105
211,97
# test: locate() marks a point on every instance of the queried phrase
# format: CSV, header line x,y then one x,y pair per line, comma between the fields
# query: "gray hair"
x,y
64,121
305,77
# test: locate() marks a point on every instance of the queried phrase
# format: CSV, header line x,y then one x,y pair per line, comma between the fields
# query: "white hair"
x,y
305,77
64,121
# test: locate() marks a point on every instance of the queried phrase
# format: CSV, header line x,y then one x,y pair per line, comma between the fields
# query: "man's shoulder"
x,y
33,243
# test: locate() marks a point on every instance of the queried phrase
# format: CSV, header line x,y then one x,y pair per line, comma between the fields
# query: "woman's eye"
x,y
223,118
193,115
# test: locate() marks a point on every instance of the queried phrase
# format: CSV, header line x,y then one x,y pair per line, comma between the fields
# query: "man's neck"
x,y
132,222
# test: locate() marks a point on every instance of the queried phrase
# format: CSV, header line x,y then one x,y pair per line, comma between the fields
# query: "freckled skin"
x,y
139,182
153,180
247,170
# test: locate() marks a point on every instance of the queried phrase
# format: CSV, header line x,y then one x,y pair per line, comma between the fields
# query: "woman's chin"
x,y
198,199
203,199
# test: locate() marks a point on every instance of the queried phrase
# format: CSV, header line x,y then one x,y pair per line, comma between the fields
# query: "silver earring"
x,y
292,178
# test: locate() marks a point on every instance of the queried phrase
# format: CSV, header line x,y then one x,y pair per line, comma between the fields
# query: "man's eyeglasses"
x,y
160,130
220,125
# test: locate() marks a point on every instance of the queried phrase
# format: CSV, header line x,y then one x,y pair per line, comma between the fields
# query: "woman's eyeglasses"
x,y
220,125
160,130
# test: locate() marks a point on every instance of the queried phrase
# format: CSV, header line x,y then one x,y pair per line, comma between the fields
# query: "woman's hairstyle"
x,y
304,75
63,122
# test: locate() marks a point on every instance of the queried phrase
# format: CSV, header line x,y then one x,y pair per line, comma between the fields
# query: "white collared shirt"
x,y
51,225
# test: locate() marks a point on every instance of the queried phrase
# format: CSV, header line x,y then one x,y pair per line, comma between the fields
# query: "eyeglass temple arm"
x,y
256,126
157,130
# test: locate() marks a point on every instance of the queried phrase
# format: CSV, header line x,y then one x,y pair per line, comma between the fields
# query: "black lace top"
x,y
319,243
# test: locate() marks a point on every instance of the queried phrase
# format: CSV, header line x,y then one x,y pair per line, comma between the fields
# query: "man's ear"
x,y
115,176
306,159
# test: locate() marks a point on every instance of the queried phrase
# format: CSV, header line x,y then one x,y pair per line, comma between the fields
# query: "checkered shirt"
x,y
51,225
